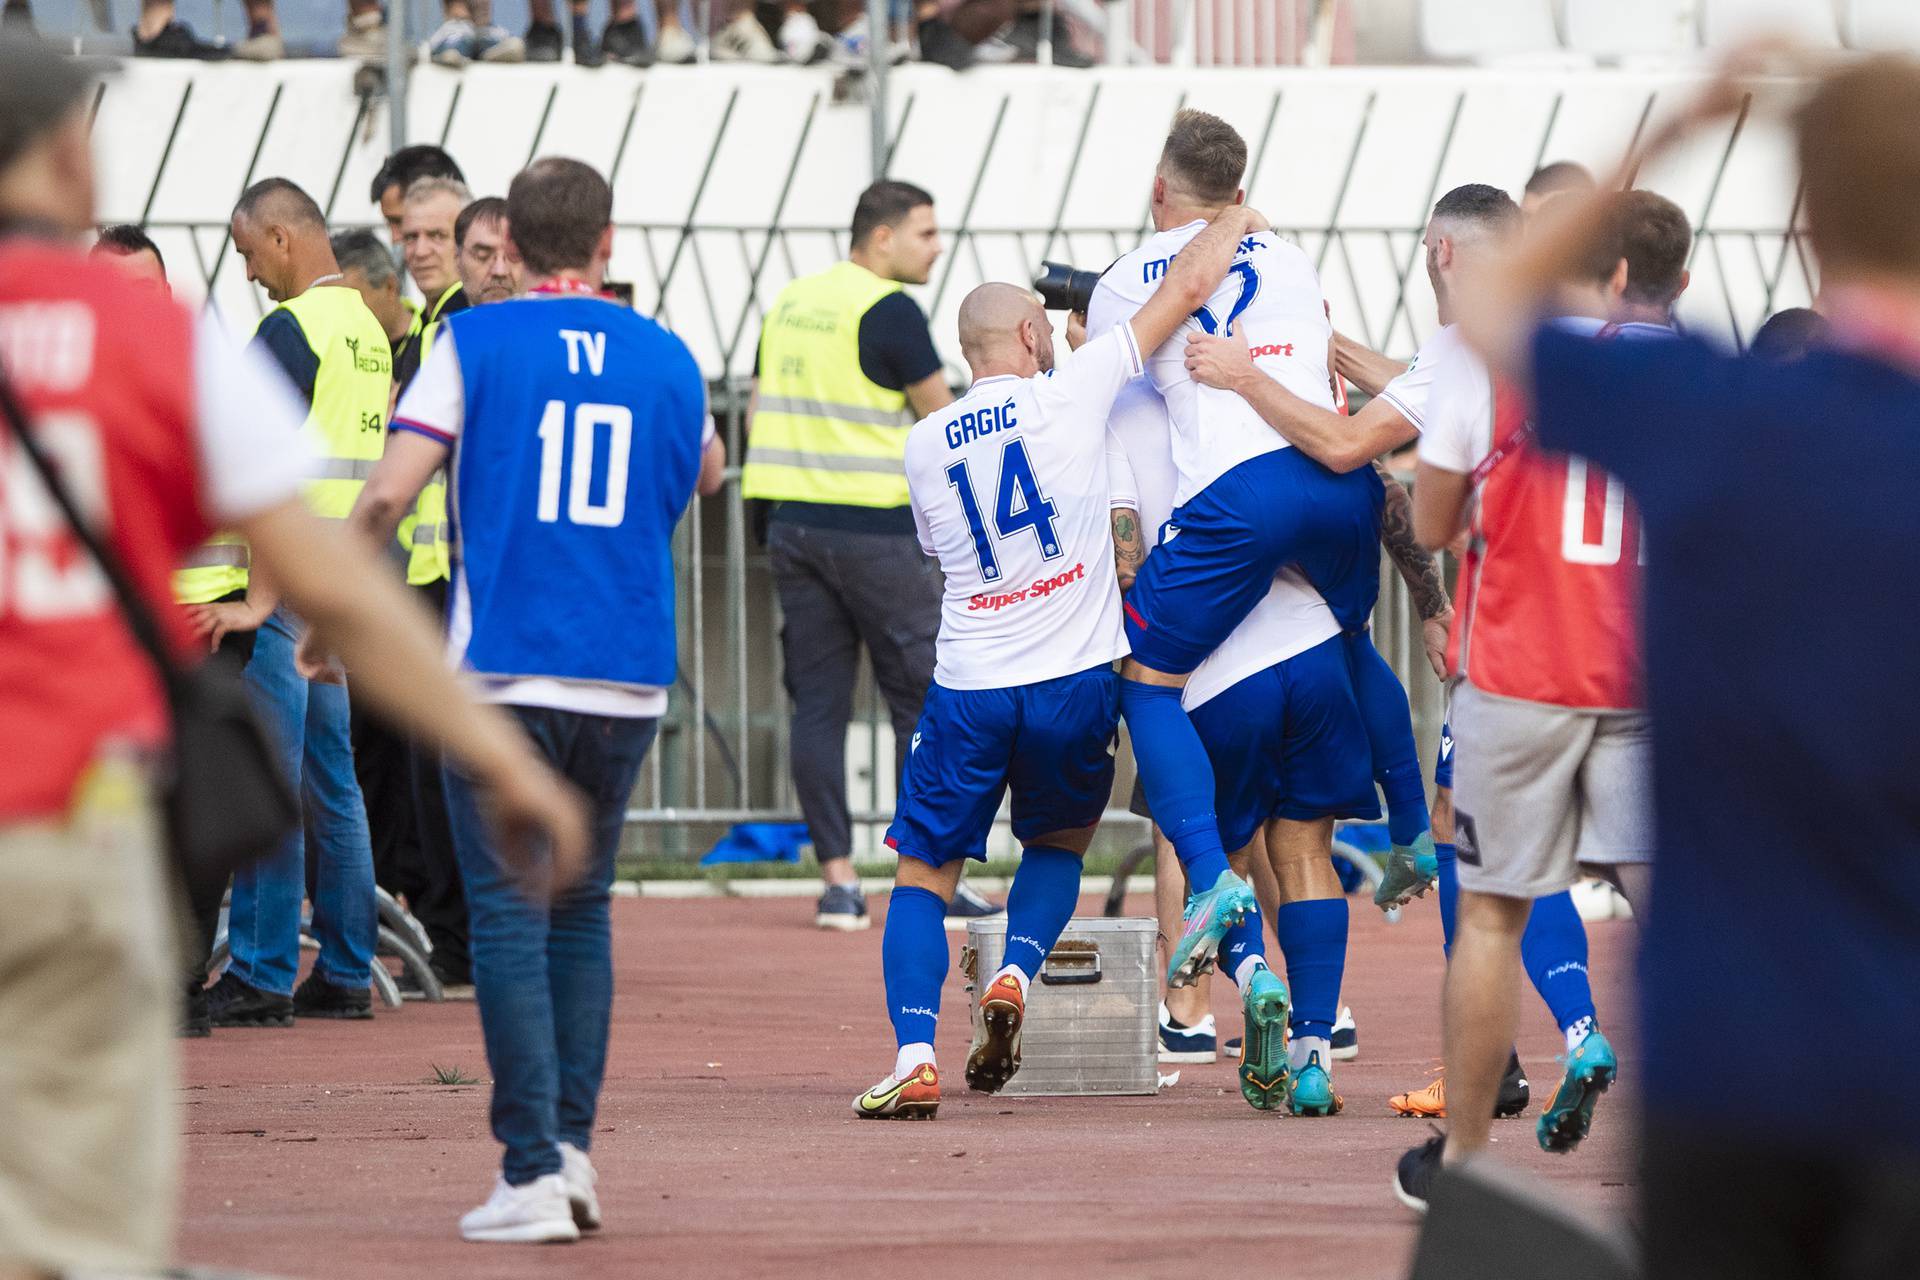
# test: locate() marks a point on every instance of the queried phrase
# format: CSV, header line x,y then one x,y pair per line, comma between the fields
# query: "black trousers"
x,y
440,902
407,820
204,893
1731,1206
838,592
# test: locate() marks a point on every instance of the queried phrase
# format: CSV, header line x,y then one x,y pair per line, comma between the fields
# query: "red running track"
x,y
727,1148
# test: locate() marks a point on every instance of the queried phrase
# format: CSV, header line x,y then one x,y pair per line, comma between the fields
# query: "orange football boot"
x,y
995,1054
915,1098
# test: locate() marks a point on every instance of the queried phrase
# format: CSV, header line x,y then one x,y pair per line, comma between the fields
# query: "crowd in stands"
x,y
954,33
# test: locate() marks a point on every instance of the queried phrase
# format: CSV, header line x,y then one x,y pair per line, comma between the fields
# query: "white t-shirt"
x,y
1412,391
1457,431
435,405
1289,620
1011,492
253,455
1272,295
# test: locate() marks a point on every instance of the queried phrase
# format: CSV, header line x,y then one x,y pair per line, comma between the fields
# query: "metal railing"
x,y
723,752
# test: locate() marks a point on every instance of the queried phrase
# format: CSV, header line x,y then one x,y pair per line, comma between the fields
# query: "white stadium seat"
x,y
1611,29
1880,24
1480,29
1727,22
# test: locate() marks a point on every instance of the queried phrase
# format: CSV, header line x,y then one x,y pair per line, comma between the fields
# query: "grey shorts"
x,y
1538,790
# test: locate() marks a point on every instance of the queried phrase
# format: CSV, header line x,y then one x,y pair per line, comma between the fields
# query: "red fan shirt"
x,y
1549,590
122,391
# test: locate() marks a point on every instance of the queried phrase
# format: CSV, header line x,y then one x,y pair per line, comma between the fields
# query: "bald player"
x,y
1010,490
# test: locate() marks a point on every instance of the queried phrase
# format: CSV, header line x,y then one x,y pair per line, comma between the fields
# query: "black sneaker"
x,y
233,1003
969,905
842,907
626,42
1514,1093
176,40
318,998
545,43
942,44
1024,36
1413,1179
195,1019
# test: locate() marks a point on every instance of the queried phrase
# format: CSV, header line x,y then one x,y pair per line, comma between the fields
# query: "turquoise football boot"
x,y
1209,915
1263,1047
1312,1093
1409,873
1590,1072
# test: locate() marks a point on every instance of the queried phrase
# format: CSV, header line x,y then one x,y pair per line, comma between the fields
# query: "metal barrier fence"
x,y
723,752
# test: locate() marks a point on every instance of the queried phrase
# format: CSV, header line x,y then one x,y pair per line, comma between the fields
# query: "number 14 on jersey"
x,y
1018,505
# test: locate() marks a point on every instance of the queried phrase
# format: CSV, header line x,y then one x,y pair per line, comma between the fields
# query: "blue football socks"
x,y
1040,902
1449,890
1242,942
1396,758
1313,937
913,956
1177,776
1554,950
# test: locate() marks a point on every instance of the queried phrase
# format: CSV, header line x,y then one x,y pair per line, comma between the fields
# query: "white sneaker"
x,y
581,1178
802,39
743,40
537,1213
674,46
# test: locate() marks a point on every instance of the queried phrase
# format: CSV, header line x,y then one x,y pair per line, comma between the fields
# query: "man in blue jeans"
x,y
335,353
577,430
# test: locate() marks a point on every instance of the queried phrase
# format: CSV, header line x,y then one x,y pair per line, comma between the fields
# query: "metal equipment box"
x,y
1090,1025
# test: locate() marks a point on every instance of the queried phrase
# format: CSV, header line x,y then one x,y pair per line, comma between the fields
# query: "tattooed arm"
x,y
1419,568
1128,548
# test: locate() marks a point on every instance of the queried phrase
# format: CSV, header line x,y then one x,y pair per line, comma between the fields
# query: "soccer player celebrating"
x,y
1275,707
1469,226
1010,490
1247,505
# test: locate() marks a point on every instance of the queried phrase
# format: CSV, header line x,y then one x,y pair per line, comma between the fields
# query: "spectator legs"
x,y
820,648
894,593
263,924
344,916
605,763
543,974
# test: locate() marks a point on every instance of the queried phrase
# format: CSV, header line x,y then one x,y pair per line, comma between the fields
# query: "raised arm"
x,y
1334,440
1196,271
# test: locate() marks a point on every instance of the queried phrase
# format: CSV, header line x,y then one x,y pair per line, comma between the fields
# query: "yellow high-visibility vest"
x,y
345,428
423,532
823,431
215,568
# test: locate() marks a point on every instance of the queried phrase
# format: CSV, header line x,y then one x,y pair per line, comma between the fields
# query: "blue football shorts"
x,y
1217,556
1289,742
1051,742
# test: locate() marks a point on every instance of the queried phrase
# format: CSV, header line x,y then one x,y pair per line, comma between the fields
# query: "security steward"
x,y
336,355
846,366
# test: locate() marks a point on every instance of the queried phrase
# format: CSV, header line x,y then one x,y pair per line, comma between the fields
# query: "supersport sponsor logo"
x,y
1040,590
1271,349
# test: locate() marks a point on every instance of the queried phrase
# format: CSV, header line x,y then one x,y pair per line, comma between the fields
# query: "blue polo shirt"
x,y
1781,957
